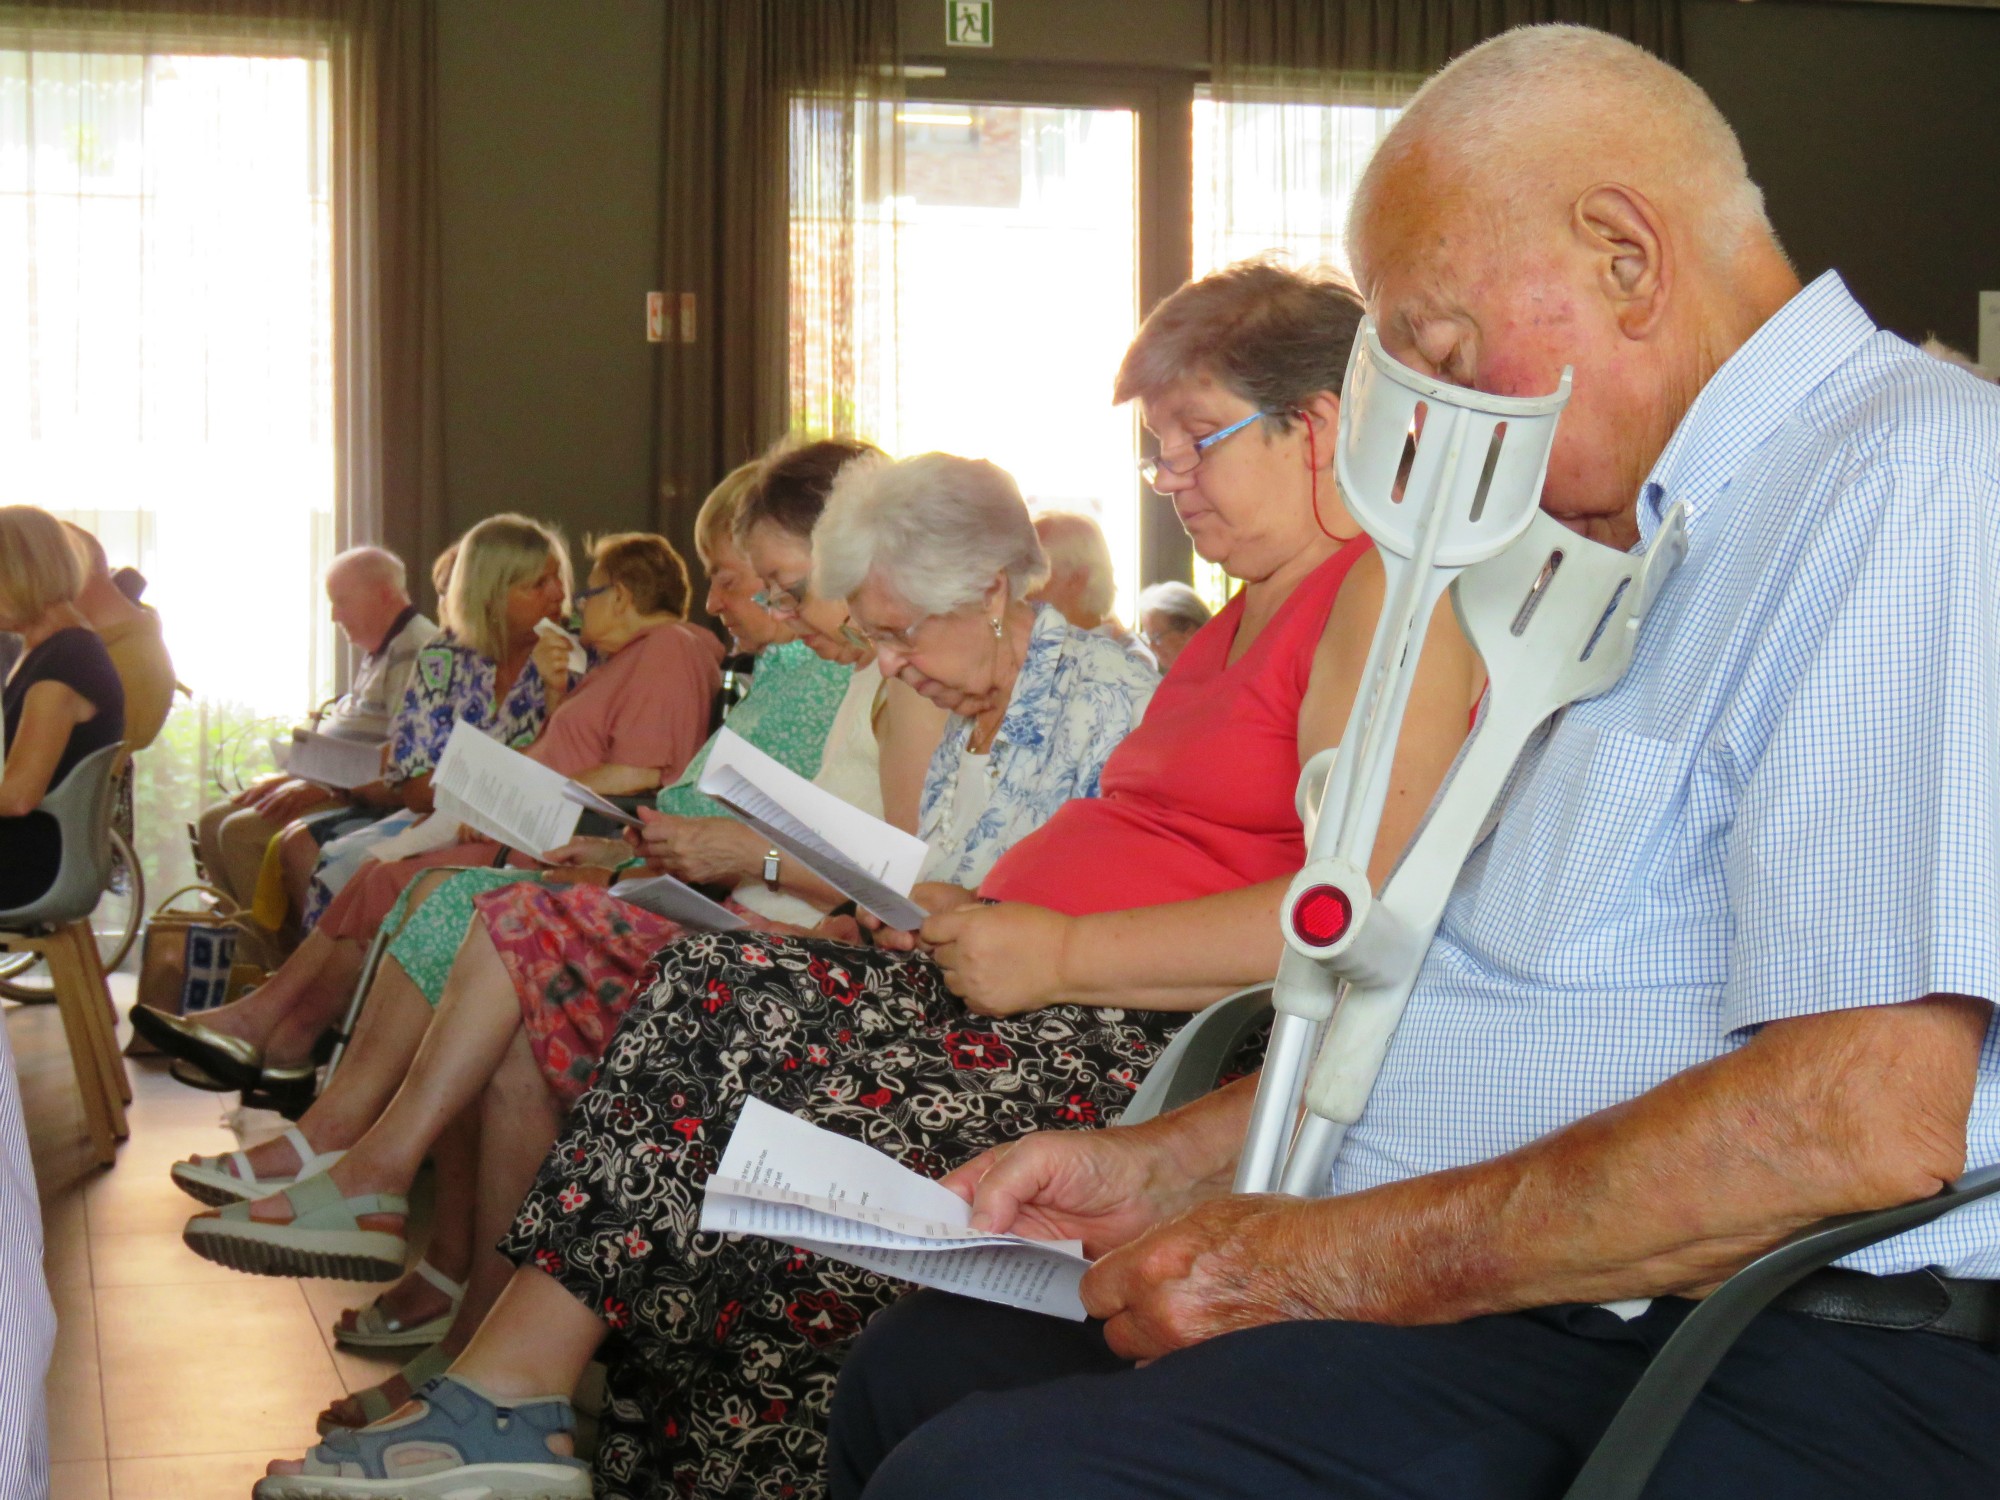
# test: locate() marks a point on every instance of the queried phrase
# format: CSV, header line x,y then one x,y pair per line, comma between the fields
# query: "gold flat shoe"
x,y
227,1059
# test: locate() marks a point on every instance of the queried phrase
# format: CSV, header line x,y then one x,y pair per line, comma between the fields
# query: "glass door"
x,y
1002,290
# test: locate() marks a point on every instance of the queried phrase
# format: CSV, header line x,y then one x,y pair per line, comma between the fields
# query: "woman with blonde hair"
x,y
62,701
788,712
489,668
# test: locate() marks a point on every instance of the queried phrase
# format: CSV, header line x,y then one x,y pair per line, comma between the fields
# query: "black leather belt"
x,y
1915,1301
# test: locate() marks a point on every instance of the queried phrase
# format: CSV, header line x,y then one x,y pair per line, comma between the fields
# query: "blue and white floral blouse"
x,y
1076,696
453,682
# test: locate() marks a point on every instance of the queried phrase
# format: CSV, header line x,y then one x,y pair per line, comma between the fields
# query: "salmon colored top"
x,y
1199,798
648,705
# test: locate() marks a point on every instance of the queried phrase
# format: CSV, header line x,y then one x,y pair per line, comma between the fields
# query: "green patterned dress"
x,y
787,713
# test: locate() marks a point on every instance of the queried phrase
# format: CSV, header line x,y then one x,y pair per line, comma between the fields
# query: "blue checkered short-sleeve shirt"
x,y
1790,805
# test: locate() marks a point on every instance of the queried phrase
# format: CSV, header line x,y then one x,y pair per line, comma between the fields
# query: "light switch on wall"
x,y
1989,333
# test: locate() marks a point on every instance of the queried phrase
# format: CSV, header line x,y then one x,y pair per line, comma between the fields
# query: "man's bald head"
x,y
367,587
1558,197
1524,123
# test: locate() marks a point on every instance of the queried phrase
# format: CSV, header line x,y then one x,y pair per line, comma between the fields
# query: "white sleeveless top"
x,y
850,768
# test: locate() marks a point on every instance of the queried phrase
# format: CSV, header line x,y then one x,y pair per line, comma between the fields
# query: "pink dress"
x,y
648,706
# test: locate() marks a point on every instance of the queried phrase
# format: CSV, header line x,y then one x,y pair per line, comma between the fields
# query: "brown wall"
x,y
549,166
1875,132
1872,128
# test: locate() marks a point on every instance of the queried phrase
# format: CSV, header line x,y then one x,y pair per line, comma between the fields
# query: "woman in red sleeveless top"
x,y
1038,1003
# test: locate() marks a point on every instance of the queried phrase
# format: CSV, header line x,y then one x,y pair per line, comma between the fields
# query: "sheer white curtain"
x,y
1276,162
166,362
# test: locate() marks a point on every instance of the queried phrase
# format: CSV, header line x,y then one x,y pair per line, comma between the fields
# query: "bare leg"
x,y
476,1021
392,1025
286,1014
535,1342
518,1124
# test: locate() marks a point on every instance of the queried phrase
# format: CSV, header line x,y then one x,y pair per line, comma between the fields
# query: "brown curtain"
x,y
388,398
1250,37
777,115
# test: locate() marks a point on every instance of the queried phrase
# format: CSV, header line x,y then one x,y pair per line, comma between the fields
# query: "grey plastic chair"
x,y
57,926
1625,1456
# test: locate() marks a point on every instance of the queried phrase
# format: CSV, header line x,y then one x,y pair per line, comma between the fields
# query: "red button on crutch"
x,y
1321,915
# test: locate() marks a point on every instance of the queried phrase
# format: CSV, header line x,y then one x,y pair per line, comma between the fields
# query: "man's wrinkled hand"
x,y
1104,1187
259,789
293,799
1234,1262
1000,960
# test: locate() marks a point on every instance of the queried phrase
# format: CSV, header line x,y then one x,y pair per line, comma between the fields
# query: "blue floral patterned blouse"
x,y
1076,696
453,682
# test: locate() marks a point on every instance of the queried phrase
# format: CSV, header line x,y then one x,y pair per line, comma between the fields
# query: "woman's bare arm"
x,y
49,711
908,728
1183,955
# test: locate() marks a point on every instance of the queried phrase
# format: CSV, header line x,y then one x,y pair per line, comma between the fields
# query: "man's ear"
x,y
1622,230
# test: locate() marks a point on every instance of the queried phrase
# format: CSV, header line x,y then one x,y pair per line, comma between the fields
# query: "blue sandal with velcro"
x,y
461,1443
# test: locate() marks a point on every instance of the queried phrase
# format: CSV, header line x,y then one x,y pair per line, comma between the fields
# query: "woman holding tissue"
x,y
1042,707
629,725
1036,1004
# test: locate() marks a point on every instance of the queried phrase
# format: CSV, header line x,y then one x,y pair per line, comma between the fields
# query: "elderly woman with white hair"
x,y
1038,992
1081,582
935,556
1169,615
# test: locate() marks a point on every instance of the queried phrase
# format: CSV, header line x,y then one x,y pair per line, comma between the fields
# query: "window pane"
x,y
1275,174
166,299
995,289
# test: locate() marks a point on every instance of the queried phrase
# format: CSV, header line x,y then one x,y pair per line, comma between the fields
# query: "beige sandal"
x,y
374,1329
324,1237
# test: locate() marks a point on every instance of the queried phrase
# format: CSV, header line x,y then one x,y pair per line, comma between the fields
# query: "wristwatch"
x,y
771,868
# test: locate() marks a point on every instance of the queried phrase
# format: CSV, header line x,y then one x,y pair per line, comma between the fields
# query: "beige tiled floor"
x,y
173,1379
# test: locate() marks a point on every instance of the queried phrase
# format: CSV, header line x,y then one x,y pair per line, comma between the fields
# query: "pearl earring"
x,y
998,632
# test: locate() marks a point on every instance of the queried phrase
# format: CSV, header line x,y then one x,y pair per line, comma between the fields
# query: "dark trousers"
x,y
949,1397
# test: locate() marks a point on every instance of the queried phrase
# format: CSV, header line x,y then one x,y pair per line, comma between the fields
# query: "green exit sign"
x,y
968,23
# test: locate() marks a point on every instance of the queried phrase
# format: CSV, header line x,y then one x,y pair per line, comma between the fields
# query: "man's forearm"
x,y
1204,1138
1673,1191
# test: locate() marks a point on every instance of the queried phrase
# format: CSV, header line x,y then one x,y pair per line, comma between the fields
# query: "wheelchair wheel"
x,y
116,921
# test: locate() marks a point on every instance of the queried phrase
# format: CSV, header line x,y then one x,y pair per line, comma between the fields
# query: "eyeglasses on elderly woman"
x,y
1151,468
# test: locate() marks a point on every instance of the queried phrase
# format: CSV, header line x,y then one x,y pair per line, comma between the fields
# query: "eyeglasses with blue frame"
x,y
1150,469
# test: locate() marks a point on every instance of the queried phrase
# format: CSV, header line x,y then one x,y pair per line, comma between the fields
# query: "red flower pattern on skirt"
x,y
722,1377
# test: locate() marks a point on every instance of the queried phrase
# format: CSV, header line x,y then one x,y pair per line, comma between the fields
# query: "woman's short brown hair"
x,y
1273,335
792,483
39,568
652,572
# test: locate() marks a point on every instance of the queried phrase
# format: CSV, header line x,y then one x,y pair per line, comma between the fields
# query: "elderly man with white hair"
x,y
1082,584
368,590
1720,968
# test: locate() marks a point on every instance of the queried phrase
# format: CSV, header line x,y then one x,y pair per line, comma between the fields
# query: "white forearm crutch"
x,y
1553,617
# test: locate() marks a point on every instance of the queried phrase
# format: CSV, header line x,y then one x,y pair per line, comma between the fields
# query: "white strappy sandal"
x,y
374,1329
208,1179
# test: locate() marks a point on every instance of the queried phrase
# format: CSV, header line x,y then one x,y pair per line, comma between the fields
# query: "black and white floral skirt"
x,y
726,1351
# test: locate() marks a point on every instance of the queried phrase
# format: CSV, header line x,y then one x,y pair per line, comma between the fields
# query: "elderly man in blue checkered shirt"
x,y
1721,967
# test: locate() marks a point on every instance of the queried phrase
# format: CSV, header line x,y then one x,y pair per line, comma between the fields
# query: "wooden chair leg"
x,y
104,1039
75,998
117,1080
